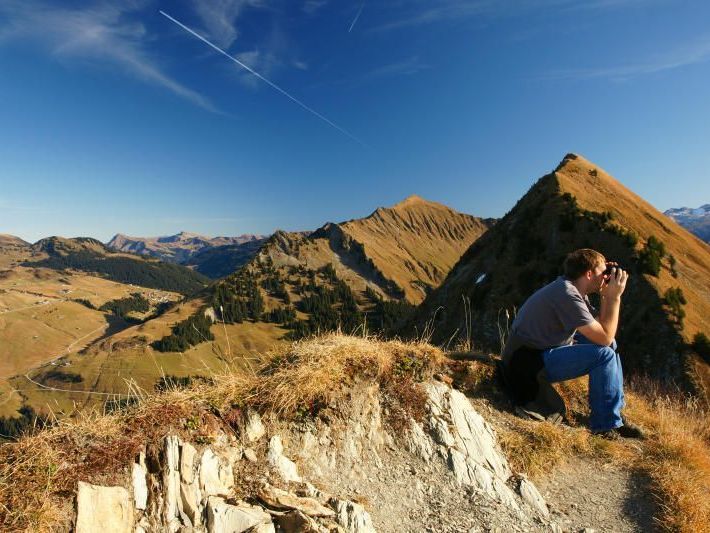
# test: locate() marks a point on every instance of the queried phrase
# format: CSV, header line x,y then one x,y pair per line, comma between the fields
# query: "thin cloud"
x,y
412,13
683,56
219,18
406,67
311,7
437,11
103,33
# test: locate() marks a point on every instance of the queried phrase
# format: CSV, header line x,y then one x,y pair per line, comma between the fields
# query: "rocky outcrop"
x,y
455,432
104,509
180,487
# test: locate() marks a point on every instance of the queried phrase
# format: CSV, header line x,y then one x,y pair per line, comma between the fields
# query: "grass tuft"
x,y
315,372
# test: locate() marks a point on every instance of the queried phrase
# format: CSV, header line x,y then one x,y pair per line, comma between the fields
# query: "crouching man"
x,y
556,337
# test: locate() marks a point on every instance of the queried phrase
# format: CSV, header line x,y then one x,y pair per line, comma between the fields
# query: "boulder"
x,y
216,477
352,516
140,487
278,499
253,428
283,465
103,509
533,498
223,517
466,440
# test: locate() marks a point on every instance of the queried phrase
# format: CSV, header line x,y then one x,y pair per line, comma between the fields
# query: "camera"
x,y
607,271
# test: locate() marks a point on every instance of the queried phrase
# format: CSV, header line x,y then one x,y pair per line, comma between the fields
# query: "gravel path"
x,y
603,497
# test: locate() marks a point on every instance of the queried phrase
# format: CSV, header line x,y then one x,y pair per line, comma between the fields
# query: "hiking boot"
x,y
533,411
627,431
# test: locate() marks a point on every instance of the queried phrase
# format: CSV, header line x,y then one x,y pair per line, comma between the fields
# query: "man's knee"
x,y
606,355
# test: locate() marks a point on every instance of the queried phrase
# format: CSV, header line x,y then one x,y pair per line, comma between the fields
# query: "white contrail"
x,y
359,12
262,78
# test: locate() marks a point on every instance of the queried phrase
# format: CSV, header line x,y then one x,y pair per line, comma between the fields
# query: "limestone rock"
x,y
103,509
250,455
140,487
352,516
418,442
187,462
471,433
278,499
190,493
297,522
253,428
309,491
216,477
286,468
533,498
262,528
466,440
226,518
171,478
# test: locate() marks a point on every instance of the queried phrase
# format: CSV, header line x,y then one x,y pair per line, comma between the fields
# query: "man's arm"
x,y
603,330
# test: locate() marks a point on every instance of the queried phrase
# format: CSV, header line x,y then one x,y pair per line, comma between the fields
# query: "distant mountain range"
x,y
696,220
364,273
92,256
179,248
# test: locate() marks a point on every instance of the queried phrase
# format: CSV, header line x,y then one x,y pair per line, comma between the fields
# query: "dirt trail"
x,y
600,496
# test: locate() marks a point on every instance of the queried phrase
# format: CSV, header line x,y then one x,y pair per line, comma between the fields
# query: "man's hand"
x,y
603,330
616,285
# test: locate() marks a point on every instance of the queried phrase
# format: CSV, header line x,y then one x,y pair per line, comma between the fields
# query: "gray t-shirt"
x,y
550,317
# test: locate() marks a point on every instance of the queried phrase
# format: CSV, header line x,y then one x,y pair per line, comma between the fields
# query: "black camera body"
x,y
607,271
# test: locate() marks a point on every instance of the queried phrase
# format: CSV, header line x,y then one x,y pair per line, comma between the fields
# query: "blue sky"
x,y
115,119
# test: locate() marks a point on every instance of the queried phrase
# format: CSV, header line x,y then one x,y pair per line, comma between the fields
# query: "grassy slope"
x,y
125,360
408,247
40,322
416,242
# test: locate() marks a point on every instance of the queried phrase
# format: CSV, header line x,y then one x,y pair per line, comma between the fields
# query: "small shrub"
x,y
701,344
650,257
675,300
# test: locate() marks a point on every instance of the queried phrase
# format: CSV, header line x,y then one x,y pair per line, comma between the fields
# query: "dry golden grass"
x,y
676,456
313,372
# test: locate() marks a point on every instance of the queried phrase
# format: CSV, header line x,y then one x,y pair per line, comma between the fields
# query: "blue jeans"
x,y
606,380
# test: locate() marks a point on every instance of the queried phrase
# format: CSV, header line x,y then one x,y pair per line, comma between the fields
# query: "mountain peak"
x,y
7,240
412,199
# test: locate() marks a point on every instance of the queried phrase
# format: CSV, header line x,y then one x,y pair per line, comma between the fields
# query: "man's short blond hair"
x,y
580,261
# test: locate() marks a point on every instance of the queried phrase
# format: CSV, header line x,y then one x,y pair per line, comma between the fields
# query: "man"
x,y
557,325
